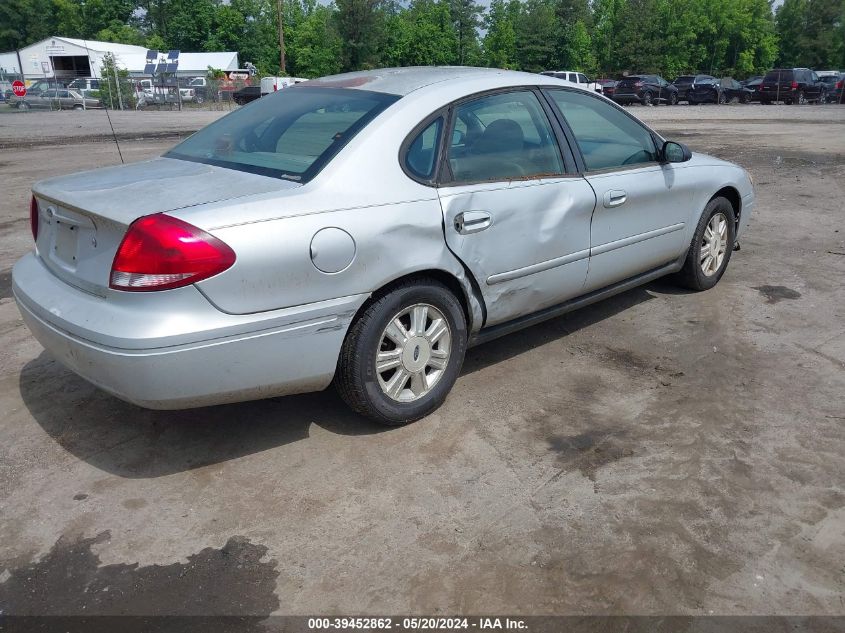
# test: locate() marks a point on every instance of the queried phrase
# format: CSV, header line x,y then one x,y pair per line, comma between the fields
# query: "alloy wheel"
x,y
413,352
714,244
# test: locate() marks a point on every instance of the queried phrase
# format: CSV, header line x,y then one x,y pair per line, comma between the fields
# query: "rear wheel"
x,y
198,98
711,247
77,107
723,98
403,353
23,105
647,100
800,99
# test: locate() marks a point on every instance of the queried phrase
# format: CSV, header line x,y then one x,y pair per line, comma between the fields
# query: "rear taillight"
x,y
160,252
840,84
33,217
795,85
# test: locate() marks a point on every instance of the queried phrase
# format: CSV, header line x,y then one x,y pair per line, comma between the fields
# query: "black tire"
x,y
356,380
691,275
722,99
800,99
673,98
199,99
23,105
746,99
77,107
647,98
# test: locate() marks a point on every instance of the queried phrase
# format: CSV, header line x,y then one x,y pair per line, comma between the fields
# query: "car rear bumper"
x,y
228,358
774,95
627,97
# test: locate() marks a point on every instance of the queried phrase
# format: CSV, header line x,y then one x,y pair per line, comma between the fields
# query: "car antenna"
x,y
108,116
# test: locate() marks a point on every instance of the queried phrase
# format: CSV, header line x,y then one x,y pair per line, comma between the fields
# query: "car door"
x,y
643,207
513,213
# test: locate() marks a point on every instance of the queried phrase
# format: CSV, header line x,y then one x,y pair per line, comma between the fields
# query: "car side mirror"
x,y
674,152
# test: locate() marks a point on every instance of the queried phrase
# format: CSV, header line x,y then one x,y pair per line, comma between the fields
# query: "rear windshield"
x,y
289,134
782,75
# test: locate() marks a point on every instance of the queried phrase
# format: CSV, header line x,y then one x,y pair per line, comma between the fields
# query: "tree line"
x,y
599,37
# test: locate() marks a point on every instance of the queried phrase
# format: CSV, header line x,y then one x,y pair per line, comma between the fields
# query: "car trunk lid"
x,y
83,217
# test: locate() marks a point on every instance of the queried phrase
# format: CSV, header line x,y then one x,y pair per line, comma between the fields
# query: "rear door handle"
x,y
615,198
472,222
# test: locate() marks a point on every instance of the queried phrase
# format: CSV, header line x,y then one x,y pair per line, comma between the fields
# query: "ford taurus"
x,y
365,229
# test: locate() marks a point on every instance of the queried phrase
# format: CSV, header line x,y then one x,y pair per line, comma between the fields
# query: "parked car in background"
x,y
246,94
61,99
608,86
645,89
85,85
274,84
685,83
830,82
724,90
792,86
753,84
838,94
179,295
575,77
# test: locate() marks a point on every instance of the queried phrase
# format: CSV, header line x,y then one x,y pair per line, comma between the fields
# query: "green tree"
x,y
315,46
23,22
360,24
500,41
811,33
466,18
115,85
536,33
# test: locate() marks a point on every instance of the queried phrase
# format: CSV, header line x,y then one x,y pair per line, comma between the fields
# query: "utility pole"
x,y
281,7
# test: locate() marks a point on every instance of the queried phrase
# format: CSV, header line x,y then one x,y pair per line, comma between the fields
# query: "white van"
x,y
84,85
272,84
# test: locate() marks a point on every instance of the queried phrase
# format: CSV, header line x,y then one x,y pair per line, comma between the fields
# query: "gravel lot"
x,y
660,452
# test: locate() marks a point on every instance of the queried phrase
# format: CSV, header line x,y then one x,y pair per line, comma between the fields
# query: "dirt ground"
x,y
661,452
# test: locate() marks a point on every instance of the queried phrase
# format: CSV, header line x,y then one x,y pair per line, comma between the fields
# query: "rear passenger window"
x,y
607,137
503,137
422,152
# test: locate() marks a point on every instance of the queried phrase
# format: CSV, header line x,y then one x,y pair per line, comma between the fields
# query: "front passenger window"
x,y
606,136
504,137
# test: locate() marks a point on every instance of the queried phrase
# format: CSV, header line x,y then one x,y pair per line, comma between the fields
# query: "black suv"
x,y
791,85
645,89
685,83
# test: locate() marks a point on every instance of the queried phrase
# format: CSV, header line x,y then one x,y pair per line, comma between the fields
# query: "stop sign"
x,y
18,88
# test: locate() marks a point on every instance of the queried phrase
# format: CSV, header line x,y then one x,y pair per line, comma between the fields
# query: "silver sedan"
x,y
365,229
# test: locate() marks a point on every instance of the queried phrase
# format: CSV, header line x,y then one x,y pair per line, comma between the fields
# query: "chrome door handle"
x,y
472,222
615,198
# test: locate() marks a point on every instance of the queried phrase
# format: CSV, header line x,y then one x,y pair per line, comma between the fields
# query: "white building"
x,y
68,58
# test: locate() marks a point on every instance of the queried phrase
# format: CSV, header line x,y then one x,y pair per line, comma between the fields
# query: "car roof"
x,y
403,81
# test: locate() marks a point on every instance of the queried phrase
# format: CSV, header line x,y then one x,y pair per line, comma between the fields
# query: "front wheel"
x,y
711,247
673,98
403,353
722,99
23,105
199,99
647,99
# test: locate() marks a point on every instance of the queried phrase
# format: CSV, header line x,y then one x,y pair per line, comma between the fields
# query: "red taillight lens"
x,y
160,252
33,217
840,84
795,85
